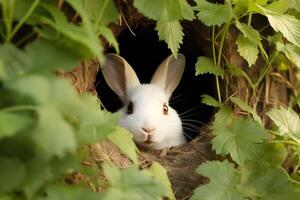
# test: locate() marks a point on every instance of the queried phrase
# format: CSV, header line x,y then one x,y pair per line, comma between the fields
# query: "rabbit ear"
x,y
169,73
119,75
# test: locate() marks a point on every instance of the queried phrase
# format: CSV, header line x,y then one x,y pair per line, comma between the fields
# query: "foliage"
x,y
44,124
258,153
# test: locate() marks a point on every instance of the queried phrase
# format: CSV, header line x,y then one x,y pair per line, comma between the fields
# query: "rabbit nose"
x,y
148,130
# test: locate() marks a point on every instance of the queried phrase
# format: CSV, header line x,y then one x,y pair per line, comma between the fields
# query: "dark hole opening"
x,y
144,53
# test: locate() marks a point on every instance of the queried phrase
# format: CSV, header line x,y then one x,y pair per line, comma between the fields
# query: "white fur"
x,y
148,101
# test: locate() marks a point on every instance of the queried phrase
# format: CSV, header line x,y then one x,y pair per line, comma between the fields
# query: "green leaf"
x,y
48,56
160,174
249,32
109,36
247,49
103,12
272,155
83,37
206,65
123,139
288,122
210,101
12,174
95,124
270,183
280,6
131,183
223,182
212,14
288,25
64,192
187,11
170,10
14,61
171,32
240,137
246,108
38,173
291,51
12,123
53,136
36,87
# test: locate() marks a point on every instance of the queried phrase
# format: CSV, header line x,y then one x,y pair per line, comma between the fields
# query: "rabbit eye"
x,y
165,109
130,108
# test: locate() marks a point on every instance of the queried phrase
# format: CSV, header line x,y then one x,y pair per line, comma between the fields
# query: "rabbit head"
x,y
146,112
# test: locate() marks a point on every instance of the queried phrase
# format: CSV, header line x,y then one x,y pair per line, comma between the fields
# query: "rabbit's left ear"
x,y
168,74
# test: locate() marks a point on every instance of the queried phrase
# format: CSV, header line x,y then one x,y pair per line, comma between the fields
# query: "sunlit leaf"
x,y
212,14
160,174
123,139
247,49
288,25
53,135
137,183
288,122
171,32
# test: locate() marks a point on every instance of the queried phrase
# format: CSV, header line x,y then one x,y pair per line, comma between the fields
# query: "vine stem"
x,y
215,62
18,108
286,142
23,20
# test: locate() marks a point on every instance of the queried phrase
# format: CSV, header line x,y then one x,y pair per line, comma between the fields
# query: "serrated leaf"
x,y
210,101
212,14
240,137
223,182
288,122
12,123
53,136
206,65
246,108
271,183
138,184
123,139
247,49
160,174
288,25
249,32
171,32
12,174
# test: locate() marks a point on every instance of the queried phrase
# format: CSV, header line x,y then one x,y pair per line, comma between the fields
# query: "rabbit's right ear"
x,y
119,75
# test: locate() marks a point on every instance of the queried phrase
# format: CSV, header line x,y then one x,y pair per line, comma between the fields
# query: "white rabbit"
x,y
146,112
